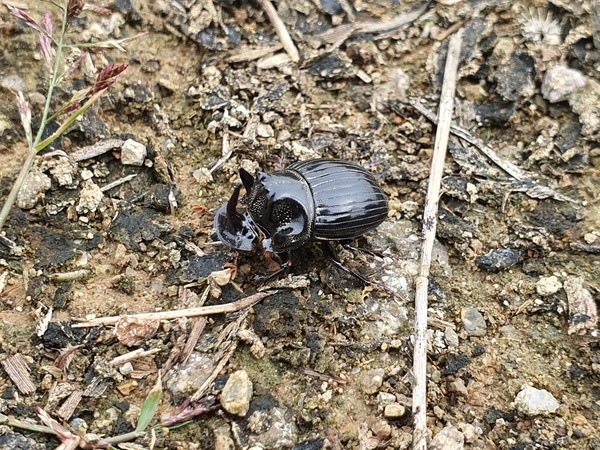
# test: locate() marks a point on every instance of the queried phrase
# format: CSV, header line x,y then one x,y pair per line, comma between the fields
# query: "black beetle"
x,y
314,200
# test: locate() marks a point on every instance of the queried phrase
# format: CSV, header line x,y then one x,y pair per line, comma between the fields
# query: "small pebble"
x,y
12,82
473,322
534,402
223,439
451,337
372,380
458,386
237,393
560,82
34,187
133,153
470,432
394,411
89,197
498,260
203,176
548,285
381,429
126,368
274,428
385,398
449,438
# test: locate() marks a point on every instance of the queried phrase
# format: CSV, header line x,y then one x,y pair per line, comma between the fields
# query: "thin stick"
x,y
250,54
135,354
280,29
178,313
419,397
118,182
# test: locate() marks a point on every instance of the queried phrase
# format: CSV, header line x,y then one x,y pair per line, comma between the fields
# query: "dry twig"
x,y
280,29
419,406
133,355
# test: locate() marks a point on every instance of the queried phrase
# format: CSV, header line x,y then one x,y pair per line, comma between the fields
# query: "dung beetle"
x,y
316,200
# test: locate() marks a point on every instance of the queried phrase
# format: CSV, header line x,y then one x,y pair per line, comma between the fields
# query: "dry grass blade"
x,y
16,368
52,57
91,151
192,340
69,441
188,312
446,108
250,54
339,34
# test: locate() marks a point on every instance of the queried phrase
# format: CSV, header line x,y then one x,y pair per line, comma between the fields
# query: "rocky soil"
x,y
117,219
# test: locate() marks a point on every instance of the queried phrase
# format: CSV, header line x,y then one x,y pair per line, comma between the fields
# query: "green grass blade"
x,y
150,406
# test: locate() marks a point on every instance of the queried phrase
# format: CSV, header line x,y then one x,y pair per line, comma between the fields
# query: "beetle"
x,y
319,200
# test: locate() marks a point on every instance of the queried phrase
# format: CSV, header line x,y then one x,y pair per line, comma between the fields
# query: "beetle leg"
x,y
276,264
348,246
233,265
331,254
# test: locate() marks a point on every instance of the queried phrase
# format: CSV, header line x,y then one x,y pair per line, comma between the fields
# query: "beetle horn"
x,y
231,208
235,229
247,179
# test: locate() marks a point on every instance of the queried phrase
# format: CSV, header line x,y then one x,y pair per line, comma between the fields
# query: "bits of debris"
x,y
583,313
132,331
273,428
190,376
449,438
586,103
548,285
89,198
203,176
372,380
18,371
499,259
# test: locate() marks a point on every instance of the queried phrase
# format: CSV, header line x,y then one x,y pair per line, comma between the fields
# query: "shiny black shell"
x,y
319,199
348,202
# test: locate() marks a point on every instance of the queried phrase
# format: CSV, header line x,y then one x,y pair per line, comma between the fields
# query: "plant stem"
x,y
12,196
53,81
15,423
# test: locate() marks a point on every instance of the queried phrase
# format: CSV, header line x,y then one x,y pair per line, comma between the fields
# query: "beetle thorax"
x,y
282,206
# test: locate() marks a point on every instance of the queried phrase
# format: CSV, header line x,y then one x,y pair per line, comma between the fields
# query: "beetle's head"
x,y
281,206
233,228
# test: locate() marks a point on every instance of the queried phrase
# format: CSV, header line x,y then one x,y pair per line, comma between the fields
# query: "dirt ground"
x,y
326,361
